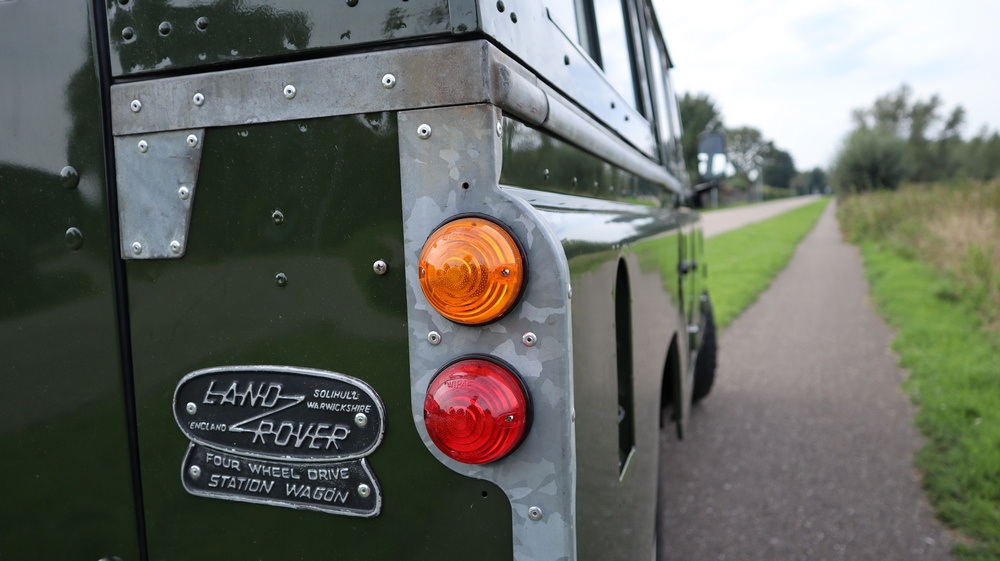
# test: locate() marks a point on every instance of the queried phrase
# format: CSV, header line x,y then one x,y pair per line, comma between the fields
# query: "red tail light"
x,y
476,411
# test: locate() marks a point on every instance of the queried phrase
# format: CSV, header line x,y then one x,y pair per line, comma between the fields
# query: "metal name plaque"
x,y
280,413
347,487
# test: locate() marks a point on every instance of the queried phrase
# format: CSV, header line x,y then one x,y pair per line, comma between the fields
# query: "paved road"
x,y
718,221
804,448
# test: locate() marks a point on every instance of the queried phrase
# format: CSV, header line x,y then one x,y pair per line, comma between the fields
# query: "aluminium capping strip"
x,y
397,80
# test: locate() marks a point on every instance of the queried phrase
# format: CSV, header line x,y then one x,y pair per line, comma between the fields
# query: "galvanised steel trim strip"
x,y
414,78
452,167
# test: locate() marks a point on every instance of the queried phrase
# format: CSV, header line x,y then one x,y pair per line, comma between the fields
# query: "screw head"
x,y
143,146
135,106
281,279
192,140
535,513
136,248
184,193
509,419
361,420
289,91
195,472
424,131
434,338
529,339
191,408
388,81
198,99
175,247
364,490
505,273
499,128
380,267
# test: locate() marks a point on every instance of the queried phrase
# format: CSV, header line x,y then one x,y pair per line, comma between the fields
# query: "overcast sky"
x,y
795,69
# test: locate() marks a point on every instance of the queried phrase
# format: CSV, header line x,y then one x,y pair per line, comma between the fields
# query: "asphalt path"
x,y
804,448
718,221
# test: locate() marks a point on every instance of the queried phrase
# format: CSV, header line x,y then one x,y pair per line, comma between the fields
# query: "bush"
x,y
869,160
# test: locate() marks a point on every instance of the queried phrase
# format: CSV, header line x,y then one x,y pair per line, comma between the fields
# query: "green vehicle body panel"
x,y
335,182
67,488
316,201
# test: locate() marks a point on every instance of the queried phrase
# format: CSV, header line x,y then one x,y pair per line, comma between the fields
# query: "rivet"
x,y
201,23
364,490
569,292
566,60
195,472
529,339
70,177
388,81
191,408
500,6
165,28
535,513
361,420
281,279
74,238
183,193
175,246
546,174
499,128
198,99
143,146
513,17
424,131
434,338
380,267
128,33
289,91
277,217
136,248
192,140
136,105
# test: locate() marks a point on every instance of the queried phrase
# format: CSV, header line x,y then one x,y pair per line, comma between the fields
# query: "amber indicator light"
x,y
471,270
476,411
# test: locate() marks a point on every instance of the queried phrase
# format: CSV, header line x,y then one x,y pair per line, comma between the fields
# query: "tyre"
x,y
704,366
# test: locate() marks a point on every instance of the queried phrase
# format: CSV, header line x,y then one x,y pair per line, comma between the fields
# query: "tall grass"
x,y
931,257
954,227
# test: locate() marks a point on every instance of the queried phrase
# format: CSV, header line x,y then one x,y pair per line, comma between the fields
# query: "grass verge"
x,y
742,262
933,262
954,379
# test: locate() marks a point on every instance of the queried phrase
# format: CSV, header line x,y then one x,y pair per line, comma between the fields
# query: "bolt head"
x,y
192,140
364,490
195,472
143,146
191,408
136,248
424,131
388,81
529,339
361,420
184,193
289,91
198,99
434,338
380,267
535,513
135,106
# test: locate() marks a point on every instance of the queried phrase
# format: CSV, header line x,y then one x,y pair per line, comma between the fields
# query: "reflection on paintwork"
x,y
536,160
229,30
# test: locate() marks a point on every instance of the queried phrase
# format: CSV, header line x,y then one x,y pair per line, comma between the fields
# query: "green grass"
x,y
742,262
954,379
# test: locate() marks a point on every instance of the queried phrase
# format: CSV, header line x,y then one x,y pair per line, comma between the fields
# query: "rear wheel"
x,y
704,366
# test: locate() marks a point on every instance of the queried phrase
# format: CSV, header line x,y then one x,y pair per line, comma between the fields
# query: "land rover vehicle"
x,y
328,279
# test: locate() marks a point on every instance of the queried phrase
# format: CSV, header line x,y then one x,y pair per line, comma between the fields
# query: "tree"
x,y
779,168
698,114
746,149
